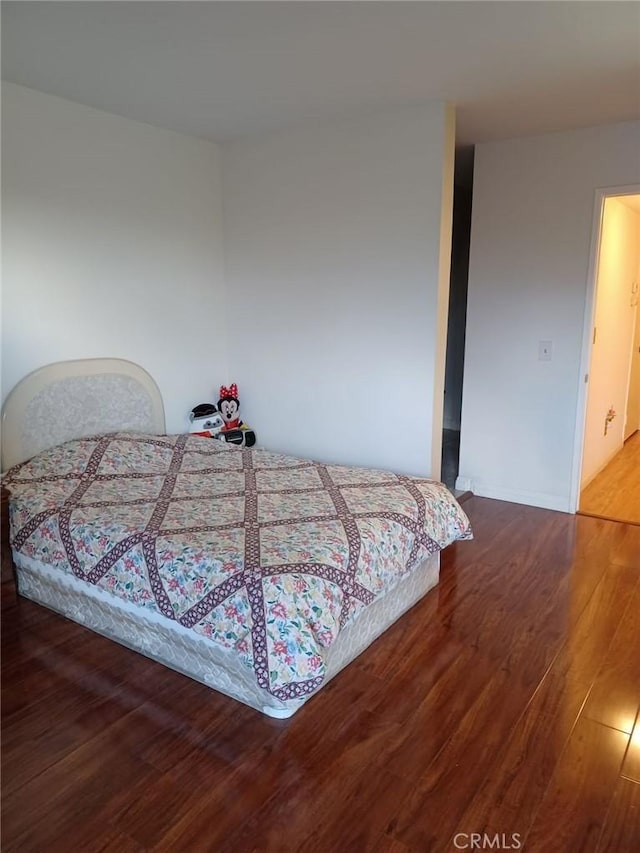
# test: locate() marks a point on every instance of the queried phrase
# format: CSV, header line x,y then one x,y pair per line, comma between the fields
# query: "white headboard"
x,y
74,399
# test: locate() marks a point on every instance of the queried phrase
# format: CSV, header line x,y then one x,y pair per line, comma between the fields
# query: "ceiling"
x,y
224,70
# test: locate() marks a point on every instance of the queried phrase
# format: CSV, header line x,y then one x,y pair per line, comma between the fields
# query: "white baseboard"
x,y
464,484
539,499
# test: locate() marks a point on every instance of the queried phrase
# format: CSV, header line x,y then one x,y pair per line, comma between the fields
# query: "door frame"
x,y
601,193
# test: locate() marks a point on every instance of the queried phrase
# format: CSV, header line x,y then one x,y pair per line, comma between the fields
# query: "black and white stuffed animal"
x,y
206,420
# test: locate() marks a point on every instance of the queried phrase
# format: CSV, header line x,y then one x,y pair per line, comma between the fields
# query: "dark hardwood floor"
x,y
506,703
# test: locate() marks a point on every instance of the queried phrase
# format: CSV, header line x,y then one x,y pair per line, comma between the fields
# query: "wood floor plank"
x,y
430,815
356,813
631,766
148,810
590,630
438,715
385,844
510,795
626,549
621,831
66,795
573,811
94,837
615,696
471,714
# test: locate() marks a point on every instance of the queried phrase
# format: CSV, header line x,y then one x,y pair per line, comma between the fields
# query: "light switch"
x,y
544,350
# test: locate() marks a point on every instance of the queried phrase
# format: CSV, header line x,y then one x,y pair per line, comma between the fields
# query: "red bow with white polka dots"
x,y
231,391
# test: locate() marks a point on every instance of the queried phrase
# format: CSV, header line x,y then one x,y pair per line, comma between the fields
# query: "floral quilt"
x,y
263,553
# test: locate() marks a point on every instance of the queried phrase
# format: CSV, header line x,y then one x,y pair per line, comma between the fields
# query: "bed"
x,y
259,574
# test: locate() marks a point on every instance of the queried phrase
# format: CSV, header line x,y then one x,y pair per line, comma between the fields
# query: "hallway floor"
x,y
615,492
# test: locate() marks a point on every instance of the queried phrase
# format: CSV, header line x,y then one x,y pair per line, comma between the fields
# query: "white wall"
x,y
632,421
615,324
111,247
337,253
530,242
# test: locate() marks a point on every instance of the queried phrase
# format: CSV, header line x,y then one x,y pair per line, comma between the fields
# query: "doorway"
x,y
609,476
457,316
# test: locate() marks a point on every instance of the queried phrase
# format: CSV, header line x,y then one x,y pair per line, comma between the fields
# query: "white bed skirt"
x,y
181,649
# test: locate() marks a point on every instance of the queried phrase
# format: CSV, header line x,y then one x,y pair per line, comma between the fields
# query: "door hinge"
x,y
594,335
586,378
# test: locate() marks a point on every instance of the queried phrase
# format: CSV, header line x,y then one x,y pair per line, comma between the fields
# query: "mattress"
x,y
258,573
170,644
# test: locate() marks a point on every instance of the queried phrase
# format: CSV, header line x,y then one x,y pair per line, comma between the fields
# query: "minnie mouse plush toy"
x,y
234,430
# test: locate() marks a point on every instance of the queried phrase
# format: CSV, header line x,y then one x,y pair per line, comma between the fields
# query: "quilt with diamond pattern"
x,y
263,553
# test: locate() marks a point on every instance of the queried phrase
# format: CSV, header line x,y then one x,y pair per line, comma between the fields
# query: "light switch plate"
x,y
545,349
